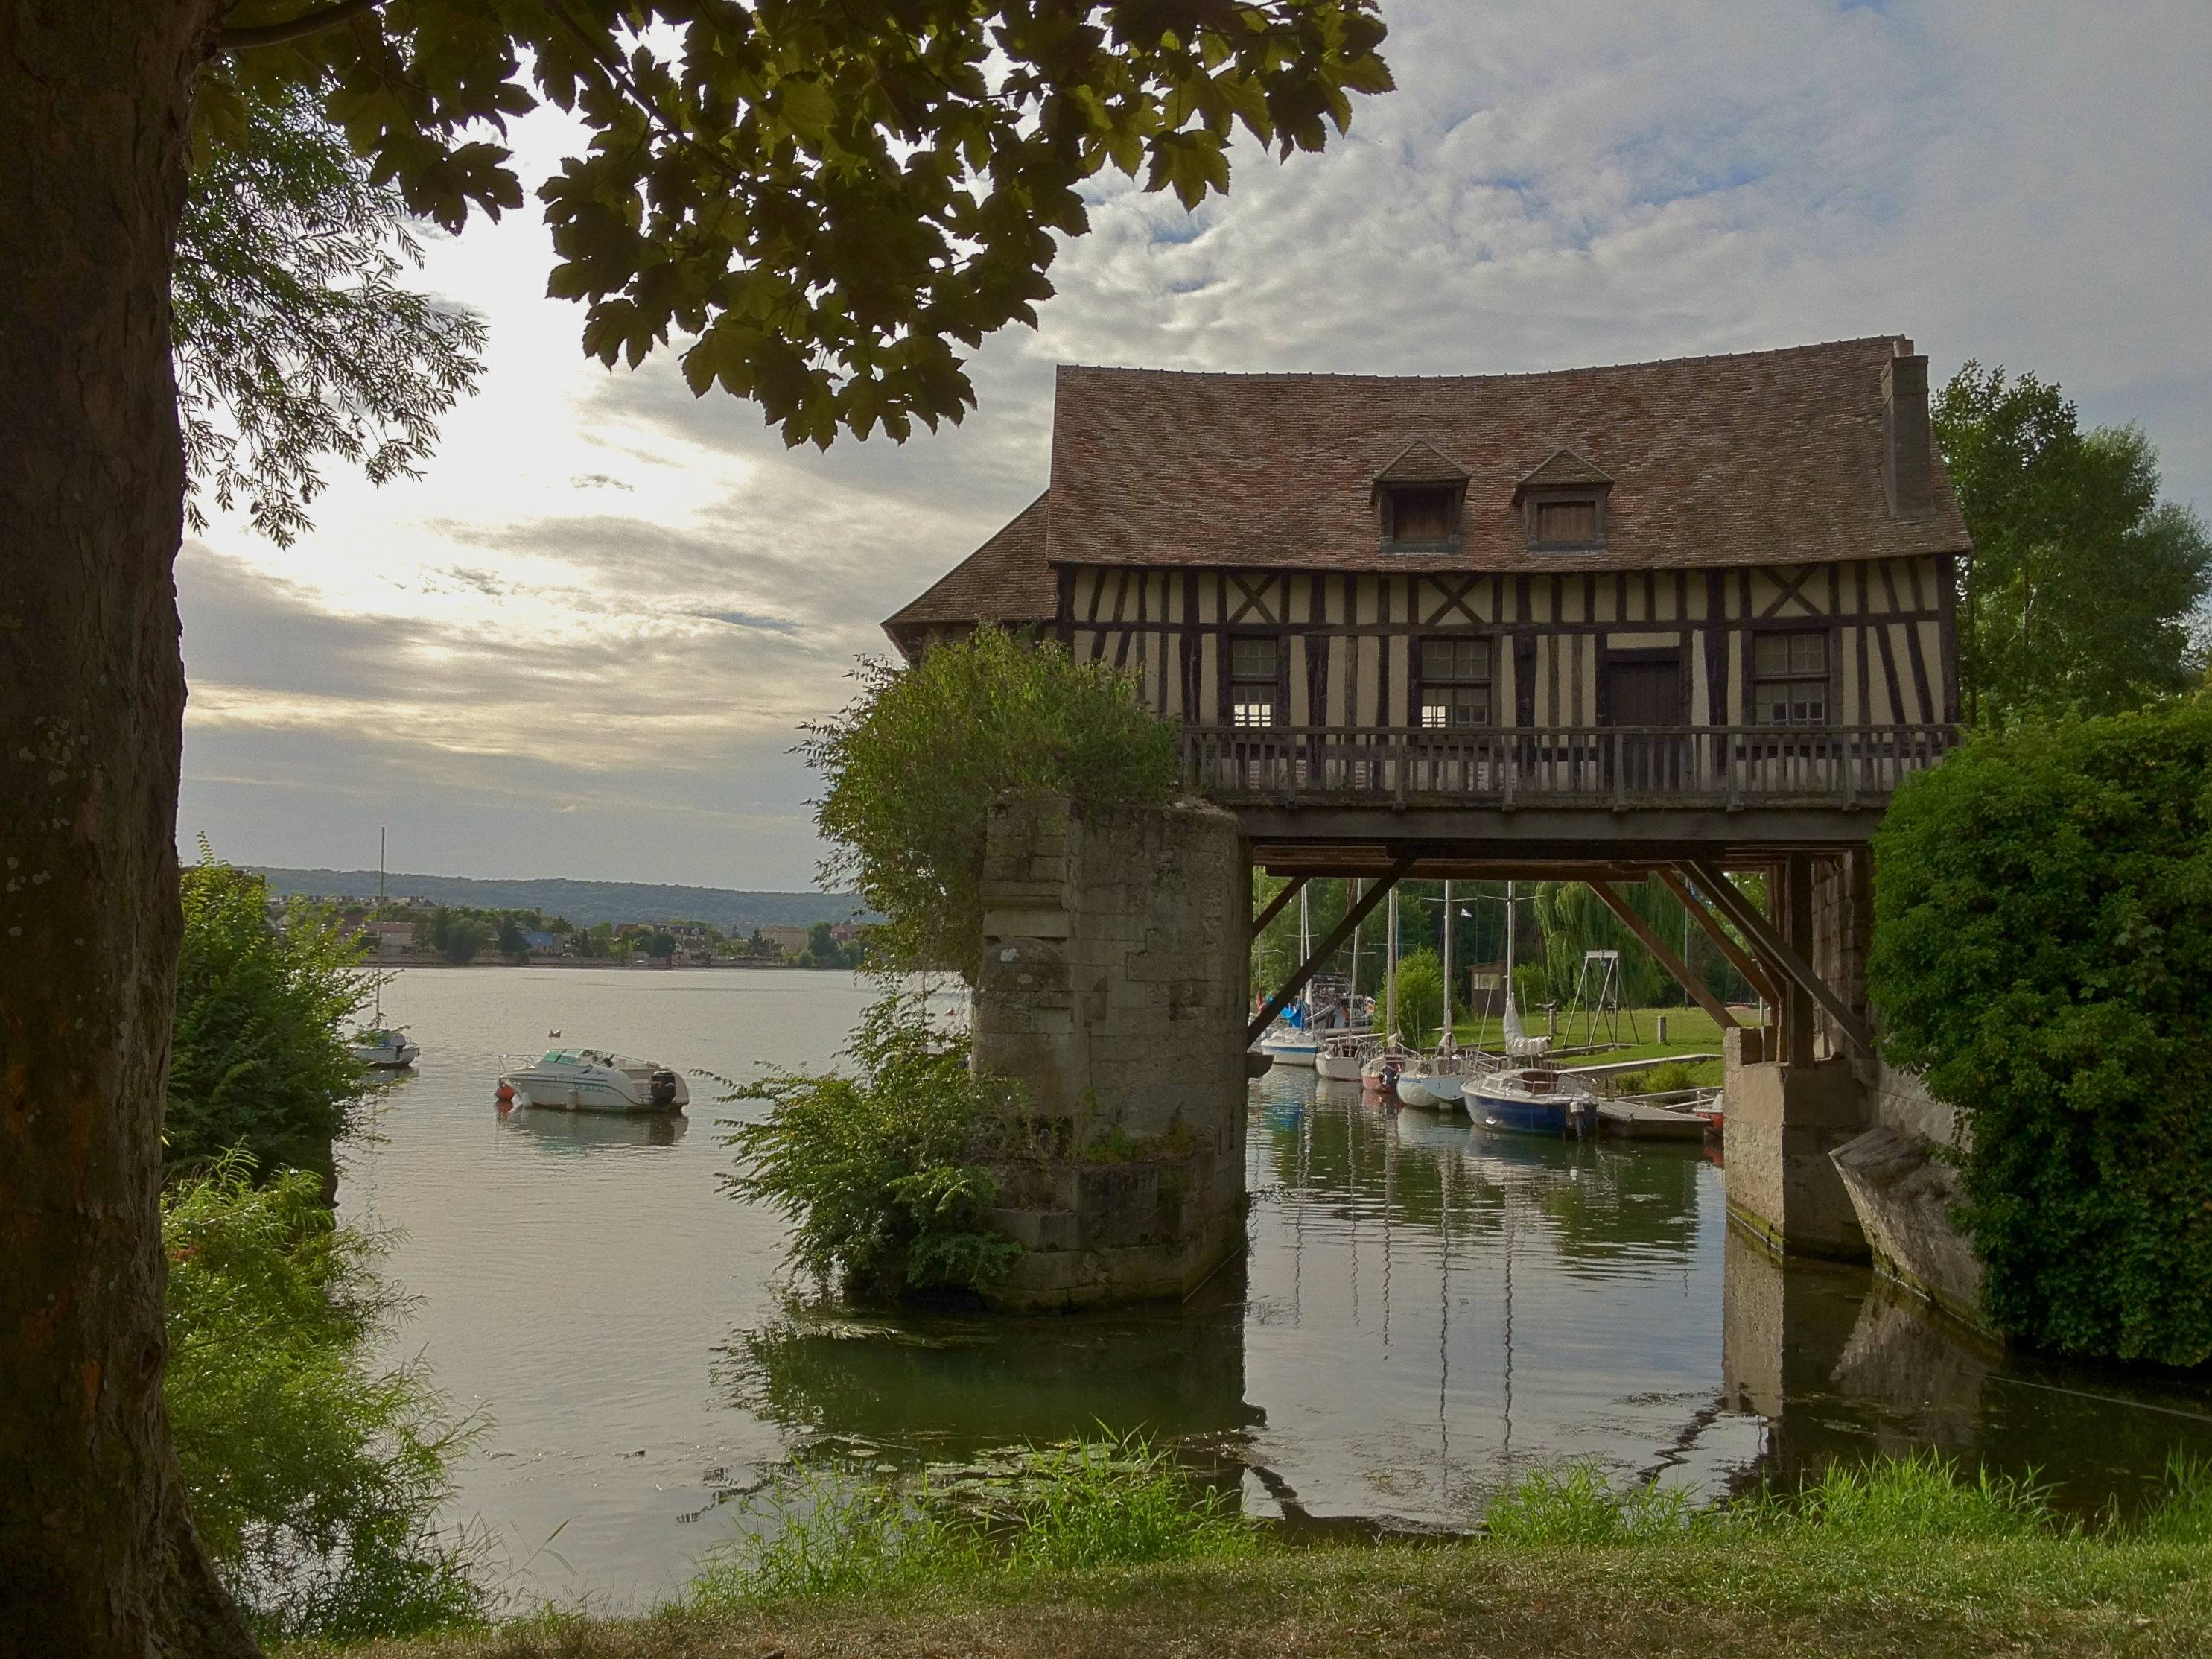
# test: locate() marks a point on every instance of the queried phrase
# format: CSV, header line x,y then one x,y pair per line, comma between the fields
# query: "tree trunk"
x,y
97,1555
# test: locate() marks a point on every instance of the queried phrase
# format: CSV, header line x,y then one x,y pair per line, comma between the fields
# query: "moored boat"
x,y
1535,1100
594,1080
1287,1044
1342,1054
387,1048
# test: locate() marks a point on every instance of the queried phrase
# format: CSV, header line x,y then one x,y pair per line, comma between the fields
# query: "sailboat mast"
x,y
1448,964
1305,947
1390,974
1353,890
1509,930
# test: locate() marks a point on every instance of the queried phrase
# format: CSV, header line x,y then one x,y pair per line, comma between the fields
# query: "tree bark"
x,y
97,1554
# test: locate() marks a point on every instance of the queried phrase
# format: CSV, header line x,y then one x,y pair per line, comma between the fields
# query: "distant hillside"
x,y
584,902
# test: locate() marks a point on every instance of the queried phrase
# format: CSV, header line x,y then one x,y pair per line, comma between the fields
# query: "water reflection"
x,y
582,1131
1838,1365
937,1387
1428,1308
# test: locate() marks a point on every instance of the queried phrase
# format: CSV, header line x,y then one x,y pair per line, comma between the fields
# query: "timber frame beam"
x,y
1756,929
1741,960
1276,905
1672,963
1329,947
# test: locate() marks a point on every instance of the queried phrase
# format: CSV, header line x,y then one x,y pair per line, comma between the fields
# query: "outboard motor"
x,y
664,1091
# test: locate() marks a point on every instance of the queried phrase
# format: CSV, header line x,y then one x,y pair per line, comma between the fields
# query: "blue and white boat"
x,y
1534,1100
1289,1043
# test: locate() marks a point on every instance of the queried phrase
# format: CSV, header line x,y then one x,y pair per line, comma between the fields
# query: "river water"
x,y
1426,1308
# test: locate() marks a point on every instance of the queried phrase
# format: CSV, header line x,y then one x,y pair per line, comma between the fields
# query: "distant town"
x,y
415,930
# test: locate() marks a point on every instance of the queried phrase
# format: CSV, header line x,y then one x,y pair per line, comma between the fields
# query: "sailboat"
x,y
1291,1040
1380,1070
380,1047
1524,1093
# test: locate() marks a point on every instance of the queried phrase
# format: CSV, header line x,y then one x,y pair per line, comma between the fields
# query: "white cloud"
x,y
609,604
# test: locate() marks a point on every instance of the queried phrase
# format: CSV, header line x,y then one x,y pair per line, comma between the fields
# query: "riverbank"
x,y
1728,1595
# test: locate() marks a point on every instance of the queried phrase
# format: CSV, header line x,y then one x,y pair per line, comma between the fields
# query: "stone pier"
x,y
1114,990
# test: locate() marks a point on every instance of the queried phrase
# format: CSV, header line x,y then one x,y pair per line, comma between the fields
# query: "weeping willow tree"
x,y
1573,920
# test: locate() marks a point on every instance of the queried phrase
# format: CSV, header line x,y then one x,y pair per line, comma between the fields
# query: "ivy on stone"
x,y
2043,943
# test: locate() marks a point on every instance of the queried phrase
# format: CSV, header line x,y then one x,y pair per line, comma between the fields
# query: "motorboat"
x,y
1534,1099
386,1047
592,1081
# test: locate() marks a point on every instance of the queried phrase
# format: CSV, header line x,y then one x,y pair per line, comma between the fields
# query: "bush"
x,y
915,764
1420,997
260,1057
2043,940
314,1478
880,1170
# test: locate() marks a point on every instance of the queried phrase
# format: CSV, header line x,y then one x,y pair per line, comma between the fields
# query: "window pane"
x,y
1809,653
1457,705
1252,660
1770,654
1571,523
1252,705
1443,660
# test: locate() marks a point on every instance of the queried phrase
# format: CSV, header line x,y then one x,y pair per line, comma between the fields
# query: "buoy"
x,y
505,1093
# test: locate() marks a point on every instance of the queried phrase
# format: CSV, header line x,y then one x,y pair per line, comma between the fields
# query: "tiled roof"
x,y
1006,580
1769,458
1422,463
1562,469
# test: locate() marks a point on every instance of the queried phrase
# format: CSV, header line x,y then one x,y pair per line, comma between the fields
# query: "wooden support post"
x,y
1327,948
1798,933
1741,959
1756,929
1275,905
1673,964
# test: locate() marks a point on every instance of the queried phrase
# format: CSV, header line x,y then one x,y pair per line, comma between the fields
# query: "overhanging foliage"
x,y
915,764
2043,943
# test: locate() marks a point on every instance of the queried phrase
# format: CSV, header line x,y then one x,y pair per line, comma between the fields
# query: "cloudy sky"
x,y
580,644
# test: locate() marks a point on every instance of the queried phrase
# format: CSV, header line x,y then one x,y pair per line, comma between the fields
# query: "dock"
x,y
1638,1121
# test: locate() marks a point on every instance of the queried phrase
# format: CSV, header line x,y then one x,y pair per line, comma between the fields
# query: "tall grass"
x,y
1111,1502
1575,1506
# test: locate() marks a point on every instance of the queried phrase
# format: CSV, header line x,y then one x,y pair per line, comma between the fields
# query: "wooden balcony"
x,y
1728,769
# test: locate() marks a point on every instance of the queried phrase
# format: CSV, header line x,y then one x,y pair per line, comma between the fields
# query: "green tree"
x,y
511,945
2079,595
315,1477
1420,1001
259,1059
2042,937
914,765
658,944
828,200
293,340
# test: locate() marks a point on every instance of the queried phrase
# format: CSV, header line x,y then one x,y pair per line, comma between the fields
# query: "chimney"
x,y
1907,446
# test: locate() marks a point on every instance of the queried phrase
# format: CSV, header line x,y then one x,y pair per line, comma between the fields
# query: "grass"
x,y
1689,1032
1907,1558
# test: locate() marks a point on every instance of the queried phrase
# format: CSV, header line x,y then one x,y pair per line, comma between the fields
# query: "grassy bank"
x,y
1907,1560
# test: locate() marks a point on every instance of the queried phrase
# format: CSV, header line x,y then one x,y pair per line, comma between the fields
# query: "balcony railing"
x,y
1723,766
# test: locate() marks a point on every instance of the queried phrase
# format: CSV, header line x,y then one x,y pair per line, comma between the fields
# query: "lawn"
x,y
1755,1597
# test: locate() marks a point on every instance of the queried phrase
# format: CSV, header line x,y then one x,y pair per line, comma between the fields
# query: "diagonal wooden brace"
x,y
1673,964
1743,962
1276,904
1756,929
1327,948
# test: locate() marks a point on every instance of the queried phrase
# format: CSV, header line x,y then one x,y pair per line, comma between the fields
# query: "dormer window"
x,y
1569,523
1565,503
1420,515
1418,498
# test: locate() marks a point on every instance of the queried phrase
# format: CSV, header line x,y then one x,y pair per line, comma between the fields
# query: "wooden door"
x,y
1646,692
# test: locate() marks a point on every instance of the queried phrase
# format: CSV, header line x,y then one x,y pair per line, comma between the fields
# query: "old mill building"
x,y
1662,619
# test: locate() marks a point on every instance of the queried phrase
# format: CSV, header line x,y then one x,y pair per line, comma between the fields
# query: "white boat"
x,y
1288,1045
1342,1054
593,1080
386,1047
1413,1089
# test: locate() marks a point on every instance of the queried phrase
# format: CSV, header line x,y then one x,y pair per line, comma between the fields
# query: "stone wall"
x,y
1114,990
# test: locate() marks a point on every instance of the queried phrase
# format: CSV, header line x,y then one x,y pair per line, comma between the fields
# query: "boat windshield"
x,y
562,1057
